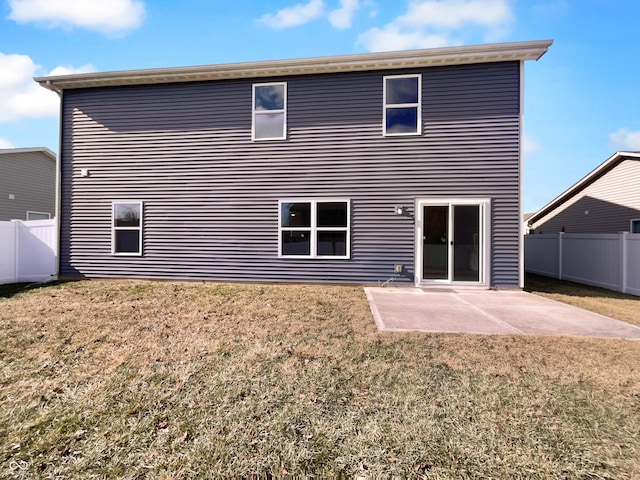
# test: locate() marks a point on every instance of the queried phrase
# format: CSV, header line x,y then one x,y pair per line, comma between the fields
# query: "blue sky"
x,y
582,99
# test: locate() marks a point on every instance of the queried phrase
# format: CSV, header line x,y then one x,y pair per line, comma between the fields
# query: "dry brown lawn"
x,y
134,379
606,302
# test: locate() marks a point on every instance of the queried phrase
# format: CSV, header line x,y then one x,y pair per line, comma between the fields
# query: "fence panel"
x,y
8,258
593,260
605,260
28,251
541,254
633,261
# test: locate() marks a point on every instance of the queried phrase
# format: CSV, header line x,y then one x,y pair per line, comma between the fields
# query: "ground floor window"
x,y
316,228
38,215
635,226
126,227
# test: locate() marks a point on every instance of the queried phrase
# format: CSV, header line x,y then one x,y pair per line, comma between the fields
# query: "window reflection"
x,y
402,90
296,214
127,214
269,97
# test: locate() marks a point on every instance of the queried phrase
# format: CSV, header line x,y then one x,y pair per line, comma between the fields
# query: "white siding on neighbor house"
x,y
605,206
211,194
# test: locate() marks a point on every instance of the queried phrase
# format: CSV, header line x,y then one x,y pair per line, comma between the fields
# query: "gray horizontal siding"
x,y
31,178
611,201
211,195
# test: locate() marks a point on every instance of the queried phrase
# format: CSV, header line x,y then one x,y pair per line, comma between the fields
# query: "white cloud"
x,y
391,37
529,145
454,14
22,97
293,16
113,16
342,17
4,143
439,23
625,139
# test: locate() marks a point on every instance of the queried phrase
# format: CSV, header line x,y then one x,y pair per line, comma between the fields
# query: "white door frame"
x,y
485,240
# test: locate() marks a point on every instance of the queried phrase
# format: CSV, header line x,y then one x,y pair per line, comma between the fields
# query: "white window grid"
x,y
417,105
255,112
313,229
114,228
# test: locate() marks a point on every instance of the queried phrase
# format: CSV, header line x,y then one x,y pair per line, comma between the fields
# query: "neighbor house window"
x,y
635,226
402,105
38,216
269,111
315,228
127,228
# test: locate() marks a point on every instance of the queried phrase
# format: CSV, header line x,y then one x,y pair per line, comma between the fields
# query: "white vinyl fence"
x,y
28,251
605,260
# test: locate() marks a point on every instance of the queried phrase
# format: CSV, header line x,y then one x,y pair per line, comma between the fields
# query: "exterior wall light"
x,y
399,210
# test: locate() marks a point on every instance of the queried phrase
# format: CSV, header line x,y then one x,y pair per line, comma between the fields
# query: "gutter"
x,y
432,57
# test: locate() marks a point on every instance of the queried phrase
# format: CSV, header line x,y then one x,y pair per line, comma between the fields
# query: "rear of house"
x,y
351,169
27,184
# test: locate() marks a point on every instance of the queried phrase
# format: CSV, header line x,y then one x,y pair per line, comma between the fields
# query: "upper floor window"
x,y
314,228
127,228
635,226
269,111
402,105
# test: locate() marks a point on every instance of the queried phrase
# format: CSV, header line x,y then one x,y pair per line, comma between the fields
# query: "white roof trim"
x,y
497,52
592,176
44,150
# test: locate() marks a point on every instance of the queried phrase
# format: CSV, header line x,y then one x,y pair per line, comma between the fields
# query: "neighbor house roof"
x,y
497,52
591,177
43,150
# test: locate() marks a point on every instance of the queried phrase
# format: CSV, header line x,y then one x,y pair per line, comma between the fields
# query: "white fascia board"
x,y
497,52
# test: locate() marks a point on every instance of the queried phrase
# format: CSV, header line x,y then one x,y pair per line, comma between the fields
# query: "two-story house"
x,y
346,169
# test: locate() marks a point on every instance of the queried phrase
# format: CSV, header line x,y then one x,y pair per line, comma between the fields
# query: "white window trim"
x,y
313,229
401,105
29,212
631,222
255,112
485,239
114,228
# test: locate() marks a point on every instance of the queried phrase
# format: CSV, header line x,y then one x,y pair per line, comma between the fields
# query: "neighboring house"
x,y
348,169
525,222
607,200
27,184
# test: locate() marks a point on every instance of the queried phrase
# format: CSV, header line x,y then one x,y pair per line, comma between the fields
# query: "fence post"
x,y
623,260
560,234
16,243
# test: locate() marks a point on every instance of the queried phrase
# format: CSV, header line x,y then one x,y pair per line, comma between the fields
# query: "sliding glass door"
x,y
452,242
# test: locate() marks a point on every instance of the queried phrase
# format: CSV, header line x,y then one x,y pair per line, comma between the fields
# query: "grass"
x,y
606,302
132,379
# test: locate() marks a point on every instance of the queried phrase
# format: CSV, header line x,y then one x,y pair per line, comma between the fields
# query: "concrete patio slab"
x,y
488,312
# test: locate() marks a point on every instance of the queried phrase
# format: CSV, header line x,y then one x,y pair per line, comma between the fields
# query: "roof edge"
x,y
509,51
584,182
44,150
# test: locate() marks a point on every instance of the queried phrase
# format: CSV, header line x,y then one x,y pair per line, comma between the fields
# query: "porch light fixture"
x,y
399,210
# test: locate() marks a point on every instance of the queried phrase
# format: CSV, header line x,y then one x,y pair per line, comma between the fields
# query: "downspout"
x,y
49,86
520,177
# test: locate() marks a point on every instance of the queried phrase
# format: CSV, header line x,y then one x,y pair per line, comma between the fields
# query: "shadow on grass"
x,y
537,283
12,289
